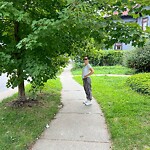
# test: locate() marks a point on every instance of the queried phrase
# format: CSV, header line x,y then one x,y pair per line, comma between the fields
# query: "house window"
x,y
118,46
144,23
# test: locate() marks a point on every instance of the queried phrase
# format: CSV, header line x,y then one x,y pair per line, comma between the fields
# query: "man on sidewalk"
x,y
86,72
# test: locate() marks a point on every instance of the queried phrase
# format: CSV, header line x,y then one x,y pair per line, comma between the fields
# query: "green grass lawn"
x,y
107,70
19,127
127,112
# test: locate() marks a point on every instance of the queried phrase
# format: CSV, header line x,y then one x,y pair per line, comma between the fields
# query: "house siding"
x,y
139,21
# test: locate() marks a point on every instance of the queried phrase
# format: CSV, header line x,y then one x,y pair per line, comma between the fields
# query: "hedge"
x,y
102,58
140,83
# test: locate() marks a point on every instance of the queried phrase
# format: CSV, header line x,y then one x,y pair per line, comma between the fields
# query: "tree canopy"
x,y
38,36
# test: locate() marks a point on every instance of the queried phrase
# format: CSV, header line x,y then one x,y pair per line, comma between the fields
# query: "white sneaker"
x,y
88,103
85,102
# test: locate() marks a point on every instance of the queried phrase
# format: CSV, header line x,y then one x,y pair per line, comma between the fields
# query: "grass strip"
x,y
20,127
107,70
126,112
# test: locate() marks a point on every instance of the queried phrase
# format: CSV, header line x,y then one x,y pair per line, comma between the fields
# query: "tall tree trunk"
x,y
21,91
16,32
21,87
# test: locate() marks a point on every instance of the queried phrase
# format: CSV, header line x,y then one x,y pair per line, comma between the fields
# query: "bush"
x,y
102,58
138,58
77,65
112,57
140,83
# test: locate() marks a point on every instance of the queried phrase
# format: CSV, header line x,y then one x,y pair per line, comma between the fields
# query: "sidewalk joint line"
x,y
79,113
75,140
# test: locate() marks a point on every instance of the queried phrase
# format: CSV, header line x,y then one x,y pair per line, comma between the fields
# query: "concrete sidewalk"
x,y
76,126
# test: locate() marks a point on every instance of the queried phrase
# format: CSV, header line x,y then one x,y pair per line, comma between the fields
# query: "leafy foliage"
x,y
139,58
111,58
36,65
140,83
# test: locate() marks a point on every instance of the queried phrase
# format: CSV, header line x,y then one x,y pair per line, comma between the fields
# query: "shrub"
x,y
112,57
138,58
102,58
77,65
140,83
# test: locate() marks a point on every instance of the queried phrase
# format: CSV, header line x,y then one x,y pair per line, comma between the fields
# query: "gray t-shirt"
x,y
86,70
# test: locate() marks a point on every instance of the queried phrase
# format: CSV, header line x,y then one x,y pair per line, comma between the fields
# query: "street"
x,y
4,91
3,80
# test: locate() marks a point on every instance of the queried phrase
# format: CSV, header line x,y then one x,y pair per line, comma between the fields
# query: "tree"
x,y
20,64
39,36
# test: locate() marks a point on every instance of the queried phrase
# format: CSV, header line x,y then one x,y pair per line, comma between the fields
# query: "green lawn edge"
x,y
126,112
118,69
21,127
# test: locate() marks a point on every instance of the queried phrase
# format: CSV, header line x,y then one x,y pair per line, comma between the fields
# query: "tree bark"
x,y
16,31
21,87
21,91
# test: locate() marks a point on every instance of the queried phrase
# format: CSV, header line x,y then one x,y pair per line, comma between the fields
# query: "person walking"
x,y
86,73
